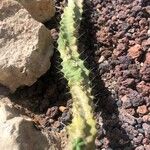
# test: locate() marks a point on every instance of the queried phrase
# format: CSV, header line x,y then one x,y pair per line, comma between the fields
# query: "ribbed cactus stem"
x,y
82,130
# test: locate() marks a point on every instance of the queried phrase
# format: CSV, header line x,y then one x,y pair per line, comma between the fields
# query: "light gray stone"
x,y
18,132
41,10
25,46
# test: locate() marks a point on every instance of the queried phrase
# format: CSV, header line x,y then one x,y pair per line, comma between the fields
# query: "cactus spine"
x,y
82,130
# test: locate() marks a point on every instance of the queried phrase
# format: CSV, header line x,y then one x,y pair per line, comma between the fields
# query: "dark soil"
x,y
115,39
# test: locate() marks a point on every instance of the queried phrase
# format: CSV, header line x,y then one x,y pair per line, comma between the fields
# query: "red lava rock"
x,y
127,118
148,32
131,42
48,112
130,111
133,70
121,15
143,87
128,82
147,147
138,139
142,110
146,118
106,53
148,9
138,41
42,121
130,20
114,18
135,51
145,72
146,128
52,112
140,148
147,100
126,103
121,47
56,124
117,52
146,42
98,6
131,131
146,141
143,22
135,98
147,60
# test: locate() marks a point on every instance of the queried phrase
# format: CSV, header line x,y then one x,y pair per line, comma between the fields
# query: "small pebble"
x,y
62,108
140,148
142,110
52,112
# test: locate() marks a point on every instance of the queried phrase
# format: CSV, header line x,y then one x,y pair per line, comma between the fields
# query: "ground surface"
x,y
115,38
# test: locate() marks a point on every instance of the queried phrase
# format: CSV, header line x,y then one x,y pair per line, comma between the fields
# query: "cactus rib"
x,y
82,130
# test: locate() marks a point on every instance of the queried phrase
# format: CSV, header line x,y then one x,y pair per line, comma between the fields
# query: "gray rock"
x,y
25,46
41,10
19,133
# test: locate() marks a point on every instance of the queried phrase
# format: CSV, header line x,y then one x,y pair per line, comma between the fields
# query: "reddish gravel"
x,y
121,38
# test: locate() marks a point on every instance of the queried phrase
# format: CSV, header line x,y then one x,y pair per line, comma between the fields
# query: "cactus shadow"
x,y
106,109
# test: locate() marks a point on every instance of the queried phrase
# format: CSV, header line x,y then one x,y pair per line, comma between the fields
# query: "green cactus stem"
x,y
82,130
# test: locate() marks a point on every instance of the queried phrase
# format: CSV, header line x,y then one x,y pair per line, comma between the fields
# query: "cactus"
x,y
82,130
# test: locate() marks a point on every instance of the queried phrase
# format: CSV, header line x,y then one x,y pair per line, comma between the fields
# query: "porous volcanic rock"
x,y
41,10
18,132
